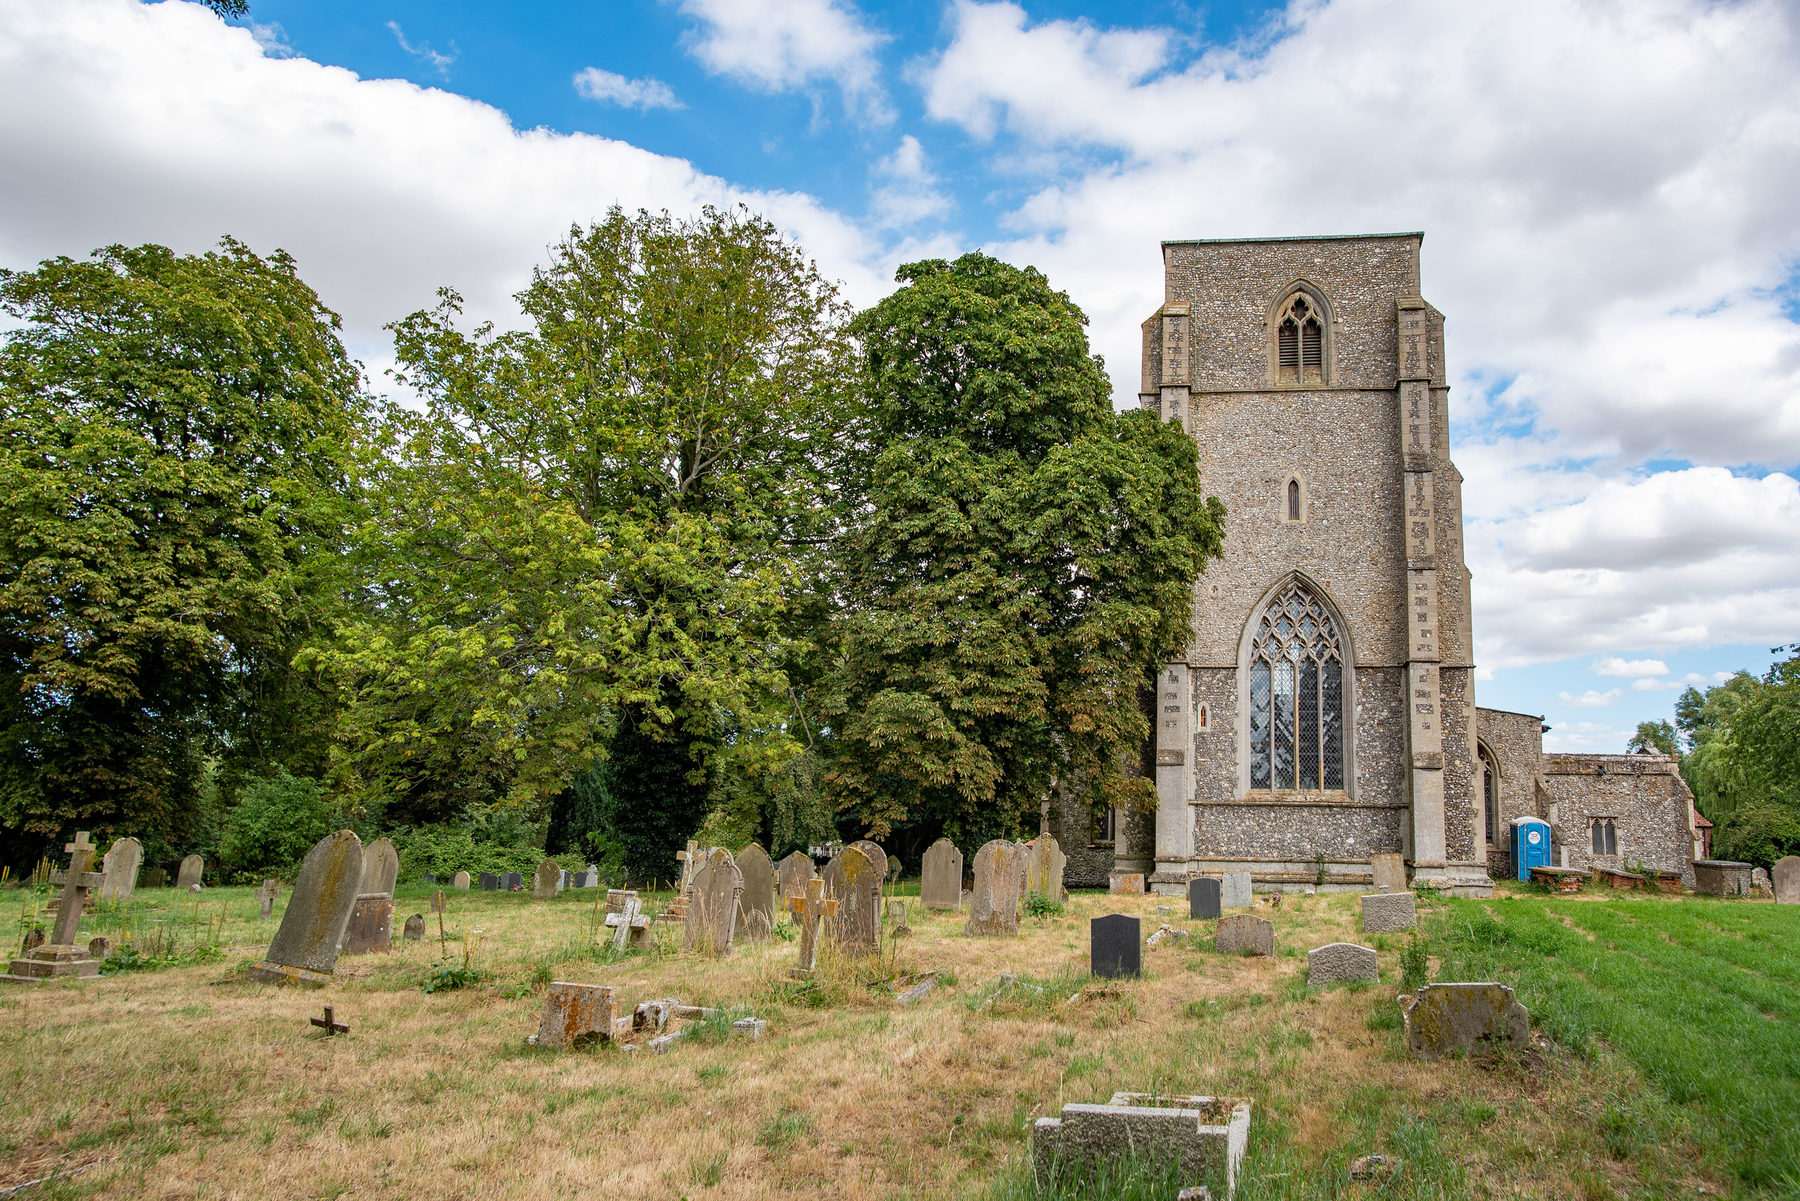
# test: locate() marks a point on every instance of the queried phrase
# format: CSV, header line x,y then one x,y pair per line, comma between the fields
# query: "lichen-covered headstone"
x,y
759,884
192,868
575,1014
1445,1018
1044,867
854,880
940,880
1786,879
1125,884
119,874
1341,963
312,929
1388,912
713,892
796,870
381,868
415,928
876,855
371,926
1388,872
1244,934
547,882
999,883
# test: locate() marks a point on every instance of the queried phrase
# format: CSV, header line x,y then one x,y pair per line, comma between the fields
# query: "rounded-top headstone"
x,y
192,868
121,870
312,929
796,870
381,868
415,927
1341,963
546,882
717,885
1203,898
759,883
1786,879
876,855
854,879
459,880
940,878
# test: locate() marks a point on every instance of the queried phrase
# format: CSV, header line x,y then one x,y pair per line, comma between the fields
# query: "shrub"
x,y
277,820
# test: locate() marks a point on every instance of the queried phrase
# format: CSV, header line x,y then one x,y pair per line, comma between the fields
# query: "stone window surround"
x,y
1490,762
1346,652
1329,325
1294,479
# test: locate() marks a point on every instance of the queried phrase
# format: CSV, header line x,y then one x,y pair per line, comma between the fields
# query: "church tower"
x,y
1325,710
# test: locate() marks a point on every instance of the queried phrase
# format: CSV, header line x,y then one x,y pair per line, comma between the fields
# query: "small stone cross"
x,y
626,919
77,882
688,859
810,908
329,1024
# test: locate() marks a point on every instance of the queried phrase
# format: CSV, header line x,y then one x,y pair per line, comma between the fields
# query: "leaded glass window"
x,y
1296,695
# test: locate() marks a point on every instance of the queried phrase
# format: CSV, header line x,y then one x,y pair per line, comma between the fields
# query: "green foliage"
x,y
277,820
1711,765
445,977
172,487
1039,905
1415,964
1655,736
1743,760
446,850
1758,831
1019,560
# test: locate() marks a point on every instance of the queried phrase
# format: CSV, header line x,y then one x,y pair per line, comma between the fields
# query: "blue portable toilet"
x,y
1530,844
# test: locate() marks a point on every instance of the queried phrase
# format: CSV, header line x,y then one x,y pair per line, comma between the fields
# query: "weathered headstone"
x,y
415,928
854,880
1115,948
1444,1018
1234,891
1044,867
192,868
575,1014
381,867
1389,872
371,926
119,875
512,881
895,868
1195,1136
1786,878
1760,884
810,910
153,877
796,870
1341,963
999,883
1203,897
940,880
876,855
99,947
759,884
713,904
439,903
490,882
1244,934
896,919
1125,884
459,880
430,878
548,881
1386,912
266,895
626,921
60,956
306,946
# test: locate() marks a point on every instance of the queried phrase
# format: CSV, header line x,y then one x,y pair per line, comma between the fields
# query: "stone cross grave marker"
x,y
120,870
855,879
1243,934
809,909
796,870
1389,872
306,946
713,904
1786,878
60,956
547,882
690,863
877,856
381,868
940,880
1115,948
1386,912
1341,963
266,894
627,922
1203,898
1234,890
1044,867
459,880
999,881
192,868
759,885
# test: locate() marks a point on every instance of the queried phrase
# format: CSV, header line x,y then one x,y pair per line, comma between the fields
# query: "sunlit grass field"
x,y
1667,1064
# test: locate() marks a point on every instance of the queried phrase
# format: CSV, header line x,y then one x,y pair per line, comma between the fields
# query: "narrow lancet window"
x,y
1293,500
1296,695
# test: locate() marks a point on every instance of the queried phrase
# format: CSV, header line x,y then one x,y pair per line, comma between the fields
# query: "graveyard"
x,y
1660,1058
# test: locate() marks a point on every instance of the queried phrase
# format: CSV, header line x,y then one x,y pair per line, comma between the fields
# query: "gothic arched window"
x,y
1490,796
1293,500
1300,344
1296,695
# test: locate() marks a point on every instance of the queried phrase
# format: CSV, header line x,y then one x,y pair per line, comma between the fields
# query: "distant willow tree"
x,y
1021,559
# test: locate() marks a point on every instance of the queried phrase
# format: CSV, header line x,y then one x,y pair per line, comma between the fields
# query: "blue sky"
x,y
1606,189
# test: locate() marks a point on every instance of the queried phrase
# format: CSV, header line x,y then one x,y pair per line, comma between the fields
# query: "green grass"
x,y
1700,996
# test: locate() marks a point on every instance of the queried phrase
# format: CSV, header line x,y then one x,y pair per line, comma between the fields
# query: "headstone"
x,y
306,946
1125,884
490,882
796,870
1234,891
34,938
1243,934
1044,867
548,882
854,880
1760,883
713,904
940,880
266,894
430,879
999,883
99,947
381,867
810,910
1389,872
415,928
60,956
512,881
154,877
192,868
896,919
759,884
1786,878
119,875
1114,946
1203,897
459,880
1196,1136
1386,912
894,869
1444,1018
439,903
576,1014
1341,963
689,862
876,855
371,925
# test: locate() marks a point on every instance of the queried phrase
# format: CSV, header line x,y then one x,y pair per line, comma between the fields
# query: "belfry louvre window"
x,y
1300,345
1605,836
1296,695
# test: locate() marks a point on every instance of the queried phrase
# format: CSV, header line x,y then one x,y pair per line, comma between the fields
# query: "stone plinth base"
x,y
52,962
281,973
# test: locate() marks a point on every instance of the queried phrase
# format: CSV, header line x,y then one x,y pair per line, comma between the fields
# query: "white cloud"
x,y
907,193
124,122
1692,679
792,45
1612,665
608,87
441,63
1591,699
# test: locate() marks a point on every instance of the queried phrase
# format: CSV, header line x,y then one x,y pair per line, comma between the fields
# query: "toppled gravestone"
x,y
1387,912
1443,1019
1199,1134
576,1015
1243,934
1341,963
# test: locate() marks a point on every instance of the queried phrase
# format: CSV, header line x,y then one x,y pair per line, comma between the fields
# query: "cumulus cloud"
x,y
792,45
609,87
1591,699
906,191
1612,665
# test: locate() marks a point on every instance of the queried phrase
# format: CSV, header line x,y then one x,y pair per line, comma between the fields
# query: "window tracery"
x,y
1300,344
1296,695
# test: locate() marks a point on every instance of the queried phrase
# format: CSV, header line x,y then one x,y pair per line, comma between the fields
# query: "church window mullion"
x,y
1296,684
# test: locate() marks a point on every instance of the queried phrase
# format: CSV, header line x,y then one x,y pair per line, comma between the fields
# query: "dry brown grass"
x,y
191,1082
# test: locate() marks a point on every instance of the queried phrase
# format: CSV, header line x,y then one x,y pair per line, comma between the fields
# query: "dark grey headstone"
x,y
489,882
1117,947
1203,898
431,879
512,880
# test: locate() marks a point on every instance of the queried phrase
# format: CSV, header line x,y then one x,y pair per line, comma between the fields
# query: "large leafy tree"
x,y
1021,559
172,491
598,531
